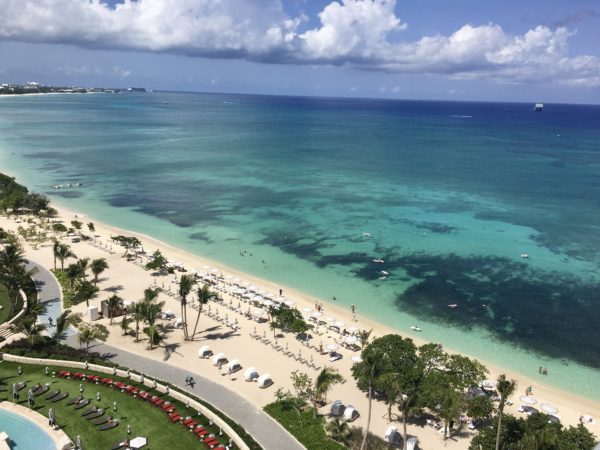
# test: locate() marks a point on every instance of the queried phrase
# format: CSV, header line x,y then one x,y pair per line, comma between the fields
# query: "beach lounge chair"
x,y
187,421
391,435
174,417
107,381
89,411
74,400
119,384
93,379
102,420
78,375
82,404
40,391
60,397
159,402
52,394
144,395
20,386
108,425
119,445
95,415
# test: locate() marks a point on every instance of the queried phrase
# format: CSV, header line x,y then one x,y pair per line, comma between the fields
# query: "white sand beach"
x,y
129,280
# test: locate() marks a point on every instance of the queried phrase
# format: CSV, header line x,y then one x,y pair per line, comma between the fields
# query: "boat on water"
x,y
366,234
525,255
383,272
382,278
539,107
415,328
378,261
453,306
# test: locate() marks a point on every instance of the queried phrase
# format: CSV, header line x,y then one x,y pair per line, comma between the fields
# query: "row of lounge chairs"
x,y
279,348
204,435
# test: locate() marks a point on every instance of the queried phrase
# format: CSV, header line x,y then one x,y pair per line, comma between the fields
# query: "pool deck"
x,y
59,437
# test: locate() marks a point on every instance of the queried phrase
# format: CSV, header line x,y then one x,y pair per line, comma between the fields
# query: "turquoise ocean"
x,y
310,191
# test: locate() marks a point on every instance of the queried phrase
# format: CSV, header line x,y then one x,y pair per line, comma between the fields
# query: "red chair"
x,y
174,417
144,395
159,402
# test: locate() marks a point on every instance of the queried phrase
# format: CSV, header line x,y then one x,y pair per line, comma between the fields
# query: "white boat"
x,y
538,107
453,306
379,261
383,272
366,234
382,278
415,328
524,255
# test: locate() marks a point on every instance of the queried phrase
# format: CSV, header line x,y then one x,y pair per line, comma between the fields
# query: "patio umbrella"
x,y
488,384
548,408
79,444
51,415
352,330
138,442
15,391
340,324
554,419
29,396
356,358
529,409
351,340
528,400
331,347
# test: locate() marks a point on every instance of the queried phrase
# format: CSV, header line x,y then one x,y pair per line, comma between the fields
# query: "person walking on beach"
x,y
353,309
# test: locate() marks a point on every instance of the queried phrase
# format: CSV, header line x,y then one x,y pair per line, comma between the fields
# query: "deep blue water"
x,y
451,194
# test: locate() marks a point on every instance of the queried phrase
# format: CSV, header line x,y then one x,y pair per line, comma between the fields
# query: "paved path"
x,y
48,293
267,432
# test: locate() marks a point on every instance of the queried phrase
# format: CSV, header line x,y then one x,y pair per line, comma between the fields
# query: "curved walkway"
x,y
266,431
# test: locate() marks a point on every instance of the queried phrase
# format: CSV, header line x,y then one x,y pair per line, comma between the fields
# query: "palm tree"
x,y
151,311
505,388
371,366
339,431
185,286
73,273
153,333
98,266
392,391
407,405
63,251
113,302
35,308
63,322
86,291
13,272
137,309
363,337
55,246
151,294
87,334
325,381
125,324
31,330
204,295
449,409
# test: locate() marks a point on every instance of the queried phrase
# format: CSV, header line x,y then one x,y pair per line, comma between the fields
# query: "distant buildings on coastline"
x,y
37,88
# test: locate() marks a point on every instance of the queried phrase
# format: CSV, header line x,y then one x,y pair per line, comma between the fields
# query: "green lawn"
x,y
145,419
310,431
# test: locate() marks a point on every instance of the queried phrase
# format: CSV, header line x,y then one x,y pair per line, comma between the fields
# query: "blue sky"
x,y
431,49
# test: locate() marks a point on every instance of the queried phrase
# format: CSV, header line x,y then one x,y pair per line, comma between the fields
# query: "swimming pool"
x,y
23,433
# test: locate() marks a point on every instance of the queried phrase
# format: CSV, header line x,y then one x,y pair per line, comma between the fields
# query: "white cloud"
x,y
365,34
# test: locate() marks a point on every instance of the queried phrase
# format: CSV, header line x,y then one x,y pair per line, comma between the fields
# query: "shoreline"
x,y
173,252
131,280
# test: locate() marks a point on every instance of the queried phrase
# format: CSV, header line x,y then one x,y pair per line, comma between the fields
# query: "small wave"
x,y
459,116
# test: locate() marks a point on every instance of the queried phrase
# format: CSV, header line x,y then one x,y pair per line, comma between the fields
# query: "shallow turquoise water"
x,y
24,434
451,194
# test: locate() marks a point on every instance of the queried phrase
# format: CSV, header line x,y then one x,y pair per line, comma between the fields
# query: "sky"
x,y
498,50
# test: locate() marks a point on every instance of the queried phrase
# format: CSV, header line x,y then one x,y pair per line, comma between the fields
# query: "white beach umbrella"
x,y
340,324
330,319
307,310
79,444
548,408
352,330
488,384
316,314
331,347
289,303
528,400
138,442
356,358
351,340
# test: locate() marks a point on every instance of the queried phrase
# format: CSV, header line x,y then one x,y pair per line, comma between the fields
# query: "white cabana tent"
x,y
219,358
178,323
250,374
350,413
204,352
337,408
233,366
391,434
264,381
